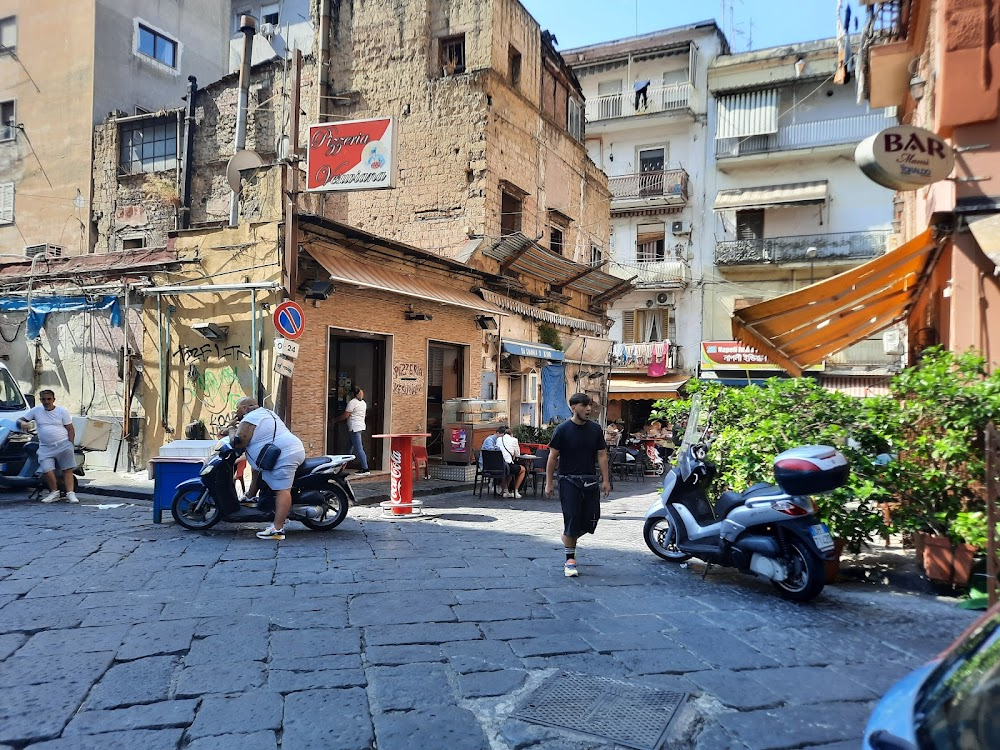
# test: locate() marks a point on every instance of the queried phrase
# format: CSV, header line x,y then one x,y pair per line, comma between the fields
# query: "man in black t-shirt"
x,y
578,447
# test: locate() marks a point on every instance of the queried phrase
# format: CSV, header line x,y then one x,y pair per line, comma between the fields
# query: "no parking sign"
x,y
289,319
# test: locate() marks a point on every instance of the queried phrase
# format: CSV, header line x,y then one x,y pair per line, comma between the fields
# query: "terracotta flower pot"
x,y
946,562
832,567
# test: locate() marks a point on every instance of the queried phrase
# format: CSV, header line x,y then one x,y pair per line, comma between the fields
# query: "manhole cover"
x,y
631,715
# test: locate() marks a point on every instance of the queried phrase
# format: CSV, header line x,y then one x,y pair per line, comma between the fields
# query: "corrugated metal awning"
x,y
538,313
641,389
524,256
358,273
803,327
773,196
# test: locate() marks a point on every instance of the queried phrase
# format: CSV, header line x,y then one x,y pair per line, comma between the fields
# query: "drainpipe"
x,y
324,57
187,158
248,25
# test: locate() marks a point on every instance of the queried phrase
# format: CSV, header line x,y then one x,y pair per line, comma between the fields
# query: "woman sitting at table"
x,y
511,449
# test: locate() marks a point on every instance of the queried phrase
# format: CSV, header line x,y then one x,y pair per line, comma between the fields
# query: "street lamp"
x,y
811,255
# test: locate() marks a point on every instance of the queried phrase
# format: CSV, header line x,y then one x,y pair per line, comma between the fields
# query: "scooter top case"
x,y
811,470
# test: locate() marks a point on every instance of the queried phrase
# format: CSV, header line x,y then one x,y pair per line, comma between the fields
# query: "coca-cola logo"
x,y
395,476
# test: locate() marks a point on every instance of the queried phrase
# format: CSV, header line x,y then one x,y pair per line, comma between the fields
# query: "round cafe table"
x,y
400,477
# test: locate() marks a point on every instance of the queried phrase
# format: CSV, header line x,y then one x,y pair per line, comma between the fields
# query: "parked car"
x,y
951,703
13,406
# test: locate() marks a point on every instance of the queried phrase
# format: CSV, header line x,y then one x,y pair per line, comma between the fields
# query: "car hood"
x,y
893,716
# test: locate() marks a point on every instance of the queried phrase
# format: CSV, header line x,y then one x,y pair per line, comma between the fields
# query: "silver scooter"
x,y
767,530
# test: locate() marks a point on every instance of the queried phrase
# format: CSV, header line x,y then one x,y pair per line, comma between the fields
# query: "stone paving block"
x,y
328,720
147,739
68,667
438,727
142,681
36,712
237,646
384,635
11,642
290,644
801,685
307,663
527,597
186,578
877,677
488,684
289,681
714,737
254,741
787,646
408,607
220,677
409,687
660,661
112,615
548,645
506,630
255,627
602,665
479,656
240,714
390,656
157,638
75,640
846,745
721,649
173,713
627,641
737,690
225,607
493,611
45,612
17,586
285,619
798,726
325,576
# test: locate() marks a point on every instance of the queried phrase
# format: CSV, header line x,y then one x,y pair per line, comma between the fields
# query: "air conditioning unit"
x,y
51,251
892,342
679,227
666,299
268,30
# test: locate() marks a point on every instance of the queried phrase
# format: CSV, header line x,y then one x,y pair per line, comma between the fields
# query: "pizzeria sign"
x,y
351,155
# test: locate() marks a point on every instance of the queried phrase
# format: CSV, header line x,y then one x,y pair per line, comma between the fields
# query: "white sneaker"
x,y
517,494
506,494
72,498
51,497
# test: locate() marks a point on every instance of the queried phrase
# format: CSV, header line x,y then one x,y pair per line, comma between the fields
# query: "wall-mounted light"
x,y
317,289
487,323
410,315
211,331
917,84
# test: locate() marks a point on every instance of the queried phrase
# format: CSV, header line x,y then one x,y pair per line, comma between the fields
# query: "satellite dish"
x,y
237,163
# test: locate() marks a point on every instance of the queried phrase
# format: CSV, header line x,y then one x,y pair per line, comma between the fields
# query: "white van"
x,y
13,406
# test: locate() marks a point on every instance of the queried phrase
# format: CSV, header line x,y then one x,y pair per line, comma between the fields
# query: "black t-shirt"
x,y
578,445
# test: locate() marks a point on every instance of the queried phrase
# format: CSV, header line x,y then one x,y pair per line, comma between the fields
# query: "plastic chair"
x,y
494,468
538,469
420,457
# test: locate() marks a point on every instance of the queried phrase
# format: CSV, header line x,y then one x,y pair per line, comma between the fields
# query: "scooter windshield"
x,y
697,426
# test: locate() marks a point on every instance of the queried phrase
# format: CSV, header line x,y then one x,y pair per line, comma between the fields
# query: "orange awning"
x,y
801,328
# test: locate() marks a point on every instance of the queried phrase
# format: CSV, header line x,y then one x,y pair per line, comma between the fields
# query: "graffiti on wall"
x,y
188,354
218,392
407,379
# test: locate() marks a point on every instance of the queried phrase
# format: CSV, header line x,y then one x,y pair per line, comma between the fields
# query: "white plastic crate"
x,y
92,434
188,449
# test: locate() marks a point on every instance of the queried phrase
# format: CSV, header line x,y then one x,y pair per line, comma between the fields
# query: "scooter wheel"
x,y
336,503
806,576
195,509
660,537
658,469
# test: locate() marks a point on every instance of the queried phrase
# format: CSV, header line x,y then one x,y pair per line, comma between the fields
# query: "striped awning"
x,y
521,254
530,311
358,273
773,196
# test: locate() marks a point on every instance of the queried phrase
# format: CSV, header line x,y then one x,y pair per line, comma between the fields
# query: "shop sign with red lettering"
x,y
351,155
734,355
905,157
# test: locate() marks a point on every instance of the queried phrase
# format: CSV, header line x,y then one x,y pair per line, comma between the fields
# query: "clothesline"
x,y
642,354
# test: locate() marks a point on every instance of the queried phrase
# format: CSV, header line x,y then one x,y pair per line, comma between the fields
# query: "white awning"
x,y
773,196
746,114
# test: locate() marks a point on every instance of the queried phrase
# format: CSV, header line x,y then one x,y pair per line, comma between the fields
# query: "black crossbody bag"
x,y
267,457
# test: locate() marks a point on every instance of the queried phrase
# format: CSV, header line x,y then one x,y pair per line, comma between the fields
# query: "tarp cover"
x,y
554,402
42,306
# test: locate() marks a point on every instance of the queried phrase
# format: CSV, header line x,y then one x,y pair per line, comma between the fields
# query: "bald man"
x,y
257,428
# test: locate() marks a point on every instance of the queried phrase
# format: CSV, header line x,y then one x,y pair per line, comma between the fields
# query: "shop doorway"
x,y
445,380
356,360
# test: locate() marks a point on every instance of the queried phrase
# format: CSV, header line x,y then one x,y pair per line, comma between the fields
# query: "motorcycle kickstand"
x,y
705,573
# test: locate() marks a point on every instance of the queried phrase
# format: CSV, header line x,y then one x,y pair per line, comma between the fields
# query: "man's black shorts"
x,y
580,497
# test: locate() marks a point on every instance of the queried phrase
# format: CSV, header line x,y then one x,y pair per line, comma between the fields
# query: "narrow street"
x,y
420,633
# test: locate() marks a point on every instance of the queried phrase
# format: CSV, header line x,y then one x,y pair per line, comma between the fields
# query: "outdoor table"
x,y
400,478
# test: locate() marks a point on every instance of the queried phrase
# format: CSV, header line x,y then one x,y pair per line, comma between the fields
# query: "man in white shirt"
x,y
355,416
55,444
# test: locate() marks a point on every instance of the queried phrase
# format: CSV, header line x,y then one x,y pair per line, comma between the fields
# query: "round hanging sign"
x,y
289,319
905,157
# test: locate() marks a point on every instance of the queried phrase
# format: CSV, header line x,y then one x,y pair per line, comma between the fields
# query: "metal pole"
x,y
248,25
992,512
291,202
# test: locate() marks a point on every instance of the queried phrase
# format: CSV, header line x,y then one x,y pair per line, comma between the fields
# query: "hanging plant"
x,y
549,335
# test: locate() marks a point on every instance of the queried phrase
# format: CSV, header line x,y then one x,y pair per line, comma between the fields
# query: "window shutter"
x,y
7,203
628,327
746,114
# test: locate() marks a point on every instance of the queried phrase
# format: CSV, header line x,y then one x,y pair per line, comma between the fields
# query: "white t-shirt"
x,y
510,447
50,424
269,428
358,409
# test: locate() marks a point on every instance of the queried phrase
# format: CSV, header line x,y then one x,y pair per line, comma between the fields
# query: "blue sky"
x,y
764,23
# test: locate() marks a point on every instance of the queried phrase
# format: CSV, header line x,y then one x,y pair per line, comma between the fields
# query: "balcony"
x,y
663,188
632,357
844,246
670,271
673,98
842,131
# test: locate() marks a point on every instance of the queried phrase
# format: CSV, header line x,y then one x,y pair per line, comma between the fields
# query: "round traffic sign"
x,y
289,319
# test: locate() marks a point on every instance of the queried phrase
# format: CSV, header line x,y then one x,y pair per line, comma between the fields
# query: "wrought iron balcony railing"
x,y
805,135
669,186
670,98
840,246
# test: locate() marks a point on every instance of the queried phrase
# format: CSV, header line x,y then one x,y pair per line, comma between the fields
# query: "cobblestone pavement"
x,y
419,633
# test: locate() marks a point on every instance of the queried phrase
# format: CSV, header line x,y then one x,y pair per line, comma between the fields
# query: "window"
x,y
10,394
651,163
156,46
574,123
556,239
510,213
596,255
750,224
8,34
7,120
133,243
7,203
652,251
269,13
514,65
640,326
148,145
609,99
453,55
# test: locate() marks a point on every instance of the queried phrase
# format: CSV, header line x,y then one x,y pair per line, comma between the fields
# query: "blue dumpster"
x,y
168,472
